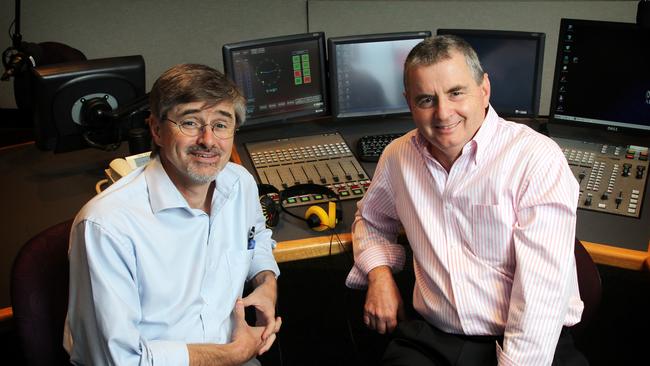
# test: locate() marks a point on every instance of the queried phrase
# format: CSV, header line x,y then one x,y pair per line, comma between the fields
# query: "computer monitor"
x,y
601,84
75,101
366,73
513,61
282,78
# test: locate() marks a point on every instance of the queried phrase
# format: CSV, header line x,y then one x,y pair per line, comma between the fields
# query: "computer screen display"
x,y
513,61
366,73
602,77
282,78
74,101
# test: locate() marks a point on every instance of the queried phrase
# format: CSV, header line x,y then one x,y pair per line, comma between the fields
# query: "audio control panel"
x,y
612,178
323,159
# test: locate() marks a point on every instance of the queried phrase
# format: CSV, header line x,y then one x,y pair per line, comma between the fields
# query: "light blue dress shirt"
x,y
149,274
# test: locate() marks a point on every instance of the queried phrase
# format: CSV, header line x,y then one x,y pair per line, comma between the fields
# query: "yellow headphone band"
x,y
327,221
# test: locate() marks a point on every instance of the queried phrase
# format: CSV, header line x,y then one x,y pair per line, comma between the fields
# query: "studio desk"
x,y
42,189
610,239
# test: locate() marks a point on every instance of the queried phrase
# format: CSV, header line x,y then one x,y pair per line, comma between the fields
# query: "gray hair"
x,y
438,48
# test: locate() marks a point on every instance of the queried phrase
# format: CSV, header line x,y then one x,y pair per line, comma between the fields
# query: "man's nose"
x,y
207,137
443,109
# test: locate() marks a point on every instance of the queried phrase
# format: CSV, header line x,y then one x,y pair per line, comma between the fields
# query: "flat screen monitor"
x,y
602,78
366,73
282,78
513,61
74,102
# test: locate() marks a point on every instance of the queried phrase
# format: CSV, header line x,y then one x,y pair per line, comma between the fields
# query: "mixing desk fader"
x,y
321,159
612,178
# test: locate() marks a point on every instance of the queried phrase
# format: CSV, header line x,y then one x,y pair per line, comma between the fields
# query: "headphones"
x,y
316,217
270,202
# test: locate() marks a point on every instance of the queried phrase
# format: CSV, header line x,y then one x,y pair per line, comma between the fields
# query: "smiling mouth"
x,y
204,153
205,156
448,127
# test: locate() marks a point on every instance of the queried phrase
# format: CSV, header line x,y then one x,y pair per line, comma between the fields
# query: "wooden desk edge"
x,y
292,250
6,313
315,247
618,257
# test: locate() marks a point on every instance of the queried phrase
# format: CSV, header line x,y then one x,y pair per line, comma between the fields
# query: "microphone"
x,y
17,60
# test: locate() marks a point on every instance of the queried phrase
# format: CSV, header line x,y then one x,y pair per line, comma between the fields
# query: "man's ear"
x,y
485,89
408,100
154,127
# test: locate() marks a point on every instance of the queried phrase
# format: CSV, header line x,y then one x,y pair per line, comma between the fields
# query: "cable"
x,y
346,299
11,36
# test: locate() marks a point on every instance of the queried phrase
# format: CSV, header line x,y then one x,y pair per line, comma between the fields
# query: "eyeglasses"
x,y
193,128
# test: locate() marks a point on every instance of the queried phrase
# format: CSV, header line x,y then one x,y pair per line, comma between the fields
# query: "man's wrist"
x,y
379,273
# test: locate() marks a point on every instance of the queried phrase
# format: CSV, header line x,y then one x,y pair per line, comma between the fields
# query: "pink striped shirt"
x,y
492,240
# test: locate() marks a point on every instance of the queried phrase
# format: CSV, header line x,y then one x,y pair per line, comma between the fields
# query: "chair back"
x,y
39,295
590,286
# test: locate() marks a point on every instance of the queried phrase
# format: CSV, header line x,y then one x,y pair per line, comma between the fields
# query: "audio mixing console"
x,y
612,178
323,159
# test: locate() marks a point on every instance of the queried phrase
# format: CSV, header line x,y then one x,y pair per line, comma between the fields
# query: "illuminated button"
x,y
631,210
344,193
357,191
635,191
291,200
304,198
602,205
318,196
632,205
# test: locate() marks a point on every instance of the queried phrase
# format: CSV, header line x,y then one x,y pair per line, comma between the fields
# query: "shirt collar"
x,y
164,195
162,191
484,135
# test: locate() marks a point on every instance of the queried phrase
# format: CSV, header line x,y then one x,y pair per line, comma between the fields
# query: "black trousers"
x,y
416,342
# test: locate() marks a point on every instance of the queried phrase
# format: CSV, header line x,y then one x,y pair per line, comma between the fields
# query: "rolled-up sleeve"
x,y
375,230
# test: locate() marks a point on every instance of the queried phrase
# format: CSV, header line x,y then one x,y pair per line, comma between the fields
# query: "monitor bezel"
x,y
539,37
362,38
228,49
588,130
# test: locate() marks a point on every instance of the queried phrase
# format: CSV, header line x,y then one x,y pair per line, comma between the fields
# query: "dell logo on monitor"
x,y
612,128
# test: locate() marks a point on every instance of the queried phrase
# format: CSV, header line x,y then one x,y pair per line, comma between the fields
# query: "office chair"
x,y
39,295
590,286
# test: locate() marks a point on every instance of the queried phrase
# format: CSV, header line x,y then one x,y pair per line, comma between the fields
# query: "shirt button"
x,y
448,206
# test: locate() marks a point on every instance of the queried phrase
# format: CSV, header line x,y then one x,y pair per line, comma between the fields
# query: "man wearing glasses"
x,y
159,260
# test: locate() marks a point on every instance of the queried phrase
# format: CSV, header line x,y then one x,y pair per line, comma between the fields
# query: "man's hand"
x,y
246,343
263,298
384,306
248,339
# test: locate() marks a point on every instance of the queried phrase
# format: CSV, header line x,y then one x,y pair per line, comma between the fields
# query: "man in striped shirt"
x,y
488,207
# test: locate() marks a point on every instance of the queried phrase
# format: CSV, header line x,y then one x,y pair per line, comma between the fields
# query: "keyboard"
x,y
370,147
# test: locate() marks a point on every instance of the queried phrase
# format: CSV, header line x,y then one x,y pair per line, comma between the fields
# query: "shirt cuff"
x,y
169,353
391,255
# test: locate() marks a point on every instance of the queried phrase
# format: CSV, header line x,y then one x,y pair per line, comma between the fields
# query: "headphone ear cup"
x,y
317,218
271,211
